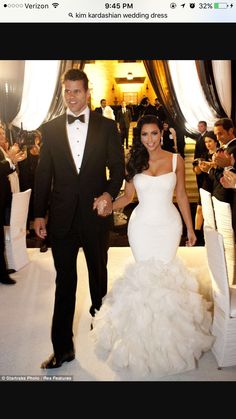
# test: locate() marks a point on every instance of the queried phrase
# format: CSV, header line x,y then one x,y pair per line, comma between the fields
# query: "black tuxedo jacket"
x,y
99,110
218,190
58,183
200,147
124,119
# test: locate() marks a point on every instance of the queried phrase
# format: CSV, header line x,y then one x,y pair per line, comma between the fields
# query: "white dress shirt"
x,y
108,112
77,134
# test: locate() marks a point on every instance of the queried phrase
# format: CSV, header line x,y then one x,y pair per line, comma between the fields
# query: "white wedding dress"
x,y
154,320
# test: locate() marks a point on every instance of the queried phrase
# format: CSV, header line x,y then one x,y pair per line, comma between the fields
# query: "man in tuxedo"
x,y
200,147
160,112
105,110
124,118
77,149
7,166
224,131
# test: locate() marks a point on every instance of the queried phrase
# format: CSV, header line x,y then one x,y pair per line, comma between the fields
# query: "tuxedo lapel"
x,y
65,141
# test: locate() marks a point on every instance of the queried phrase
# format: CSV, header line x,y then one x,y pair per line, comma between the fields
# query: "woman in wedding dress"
x,y
154,320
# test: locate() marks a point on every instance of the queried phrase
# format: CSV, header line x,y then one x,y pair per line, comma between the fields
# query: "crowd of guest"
x,y
215,157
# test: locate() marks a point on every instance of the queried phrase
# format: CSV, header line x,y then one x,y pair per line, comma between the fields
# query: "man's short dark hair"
x,y
226,123
75,74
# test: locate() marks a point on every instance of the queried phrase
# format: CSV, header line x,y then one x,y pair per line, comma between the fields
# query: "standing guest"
x,y
27,170
228,180
200,147
145,108
77,148
160,112
7,166
105,110
4,146
202,166
224,131
124,118
169,138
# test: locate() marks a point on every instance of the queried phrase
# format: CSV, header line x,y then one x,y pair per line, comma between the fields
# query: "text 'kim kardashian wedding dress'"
x,y
154,320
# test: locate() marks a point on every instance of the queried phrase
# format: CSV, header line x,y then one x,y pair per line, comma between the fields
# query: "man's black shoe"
x,y
11,271
43,248
7,281
56,361
93,310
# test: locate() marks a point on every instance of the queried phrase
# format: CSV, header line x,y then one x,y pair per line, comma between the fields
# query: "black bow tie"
x,y
72,118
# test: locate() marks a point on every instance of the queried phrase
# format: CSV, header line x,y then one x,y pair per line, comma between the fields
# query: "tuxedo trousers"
x,y
95,243
124,134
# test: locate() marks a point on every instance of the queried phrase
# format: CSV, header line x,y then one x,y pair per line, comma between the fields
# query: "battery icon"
x,y
220,5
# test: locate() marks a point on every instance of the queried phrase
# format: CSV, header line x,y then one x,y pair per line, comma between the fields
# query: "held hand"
x,y
40,227
191,239
103,205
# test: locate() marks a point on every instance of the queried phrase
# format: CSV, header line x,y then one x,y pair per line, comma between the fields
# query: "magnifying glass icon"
x,y
70,14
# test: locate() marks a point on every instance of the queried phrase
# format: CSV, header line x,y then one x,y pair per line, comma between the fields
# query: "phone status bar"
x,y
84,11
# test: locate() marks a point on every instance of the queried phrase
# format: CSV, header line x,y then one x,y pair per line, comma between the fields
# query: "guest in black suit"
x,y
160,112
200,147
224,131
7,166
77,148
228,180
124,118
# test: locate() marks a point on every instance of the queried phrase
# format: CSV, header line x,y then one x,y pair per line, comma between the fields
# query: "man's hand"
x,y
40,227
228,180
103,204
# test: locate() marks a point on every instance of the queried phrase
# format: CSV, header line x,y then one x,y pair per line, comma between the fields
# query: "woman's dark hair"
x,y
138,157
210,134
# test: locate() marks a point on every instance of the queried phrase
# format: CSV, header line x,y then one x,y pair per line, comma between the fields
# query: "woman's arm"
x,y
173,132
127,197
183,202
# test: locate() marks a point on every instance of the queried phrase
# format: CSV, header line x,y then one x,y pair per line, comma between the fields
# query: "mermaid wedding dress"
x,y
154,320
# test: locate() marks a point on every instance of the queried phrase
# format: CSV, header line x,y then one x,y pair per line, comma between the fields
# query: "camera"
x,y
196,162
25,139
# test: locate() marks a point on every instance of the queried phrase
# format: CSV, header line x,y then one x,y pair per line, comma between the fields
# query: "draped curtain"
x,y
11,85
223,82
159,75
191,91
190,94
39,87
207,79
57,105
